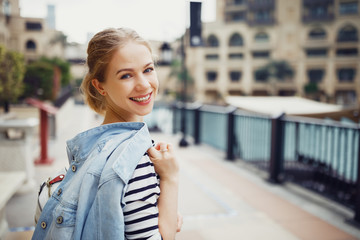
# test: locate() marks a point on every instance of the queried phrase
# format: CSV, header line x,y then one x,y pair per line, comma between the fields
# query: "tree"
x,y
178,72
12,69
274,71
64,68
39,80
39,77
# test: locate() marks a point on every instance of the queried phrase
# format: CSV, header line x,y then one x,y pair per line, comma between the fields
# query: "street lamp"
x,y
195,41
183,142
166,54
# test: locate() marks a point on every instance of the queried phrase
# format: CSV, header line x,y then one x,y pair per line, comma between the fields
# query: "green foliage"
x,y
279,70
39,77
12,69
261,74
311,87
64,68
39,80
61,38
178,72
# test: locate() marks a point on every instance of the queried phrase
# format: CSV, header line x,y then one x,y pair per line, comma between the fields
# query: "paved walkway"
x,y
218,199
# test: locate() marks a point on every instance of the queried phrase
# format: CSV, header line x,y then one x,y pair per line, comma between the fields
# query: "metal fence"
x,y
321,155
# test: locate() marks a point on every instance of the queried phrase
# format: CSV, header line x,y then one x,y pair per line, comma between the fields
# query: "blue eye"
x,y
125,76
148,70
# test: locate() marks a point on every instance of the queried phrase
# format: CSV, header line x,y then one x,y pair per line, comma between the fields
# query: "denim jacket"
x,y
88,202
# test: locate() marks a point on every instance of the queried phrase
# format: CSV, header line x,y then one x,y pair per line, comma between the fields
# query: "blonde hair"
x,y
100,51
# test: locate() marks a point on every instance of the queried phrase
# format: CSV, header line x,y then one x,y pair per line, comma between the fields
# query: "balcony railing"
x,y
315,18
317,2
320,155
261,5
256,22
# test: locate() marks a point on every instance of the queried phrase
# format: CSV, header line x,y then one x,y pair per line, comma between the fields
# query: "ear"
x,y
99,87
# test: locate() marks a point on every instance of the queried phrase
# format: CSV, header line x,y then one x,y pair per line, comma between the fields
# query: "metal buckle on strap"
x,y
50,182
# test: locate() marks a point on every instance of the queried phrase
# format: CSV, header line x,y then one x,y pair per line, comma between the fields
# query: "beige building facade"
x,y
30,36
318,38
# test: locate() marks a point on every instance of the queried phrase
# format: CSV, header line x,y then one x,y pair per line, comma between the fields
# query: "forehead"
x,y
131,52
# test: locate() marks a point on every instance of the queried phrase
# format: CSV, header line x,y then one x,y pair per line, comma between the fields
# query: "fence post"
x,y
357,201
183,142
230,155
276,154
174,110
197,125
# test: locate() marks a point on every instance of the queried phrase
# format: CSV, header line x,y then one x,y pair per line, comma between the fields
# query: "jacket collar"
x,y
82,144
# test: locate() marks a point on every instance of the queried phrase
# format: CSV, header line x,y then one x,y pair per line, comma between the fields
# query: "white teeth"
x,y
141,99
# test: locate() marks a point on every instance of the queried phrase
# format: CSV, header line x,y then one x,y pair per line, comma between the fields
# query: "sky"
x,y
162,20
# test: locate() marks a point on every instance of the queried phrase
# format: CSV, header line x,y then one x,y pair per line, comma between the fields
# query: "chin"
x,y
145,112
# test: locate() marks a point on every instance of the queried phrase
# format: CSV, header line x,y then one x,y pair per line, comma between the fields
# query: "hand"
x,y
162,156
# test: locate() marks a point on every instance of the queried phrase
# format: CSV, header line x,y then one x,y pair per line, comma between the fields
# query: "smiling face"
x,y
130,84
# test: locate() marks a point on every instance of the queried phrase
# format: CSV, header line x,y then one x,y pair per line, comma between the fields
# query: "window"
x,y
317,33
347,34
346,97
261,37
238,2
346,74
318,10
315,75
260,93
287,92
261,16
212,56
211,76
236,40
30,45
235,76
261,75
346,8
317,52
262,2
33,26
236,16
261,54
6,8
236,56
235,93
347,52
212,41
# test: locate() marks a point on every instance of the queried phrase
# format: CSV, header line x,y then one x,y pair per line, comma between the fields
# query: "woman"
x,y
112,189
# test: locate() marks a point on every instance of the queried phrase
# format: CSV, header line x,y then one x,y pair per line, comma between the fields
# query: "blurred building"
x,y
50,17
30,36
318,38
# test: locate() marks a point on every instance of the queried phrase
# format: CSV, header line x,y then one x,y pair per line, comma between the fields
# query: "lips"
x,y
142,99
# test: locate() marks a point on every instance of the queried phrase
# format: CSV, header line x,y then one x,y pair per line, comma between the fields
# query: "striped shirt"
x,y
140,210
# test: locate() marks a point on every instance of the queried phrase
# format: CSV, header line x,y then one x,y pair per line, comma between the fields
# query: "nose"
x,y
142,82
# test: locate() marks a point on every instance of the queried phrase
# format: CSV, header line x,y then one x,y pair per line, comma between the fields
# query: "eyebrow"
x,y
131,69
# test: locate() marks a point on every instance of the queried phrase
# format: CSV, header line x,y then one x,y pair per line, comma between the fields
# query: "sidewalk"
x,y
218,199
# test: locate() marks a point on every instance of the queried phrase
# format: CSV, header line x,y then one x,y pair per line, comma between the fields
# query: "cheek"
x,y
117,91
155,82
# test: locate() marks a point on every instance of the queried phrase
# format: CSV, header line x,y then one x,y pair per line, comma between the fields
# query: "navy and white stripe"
x,y
140,210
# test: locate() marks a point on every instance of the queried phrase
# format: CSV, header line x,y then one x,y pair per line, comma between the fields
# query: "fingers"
x,y
163,147
153,153
170,147
160,148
